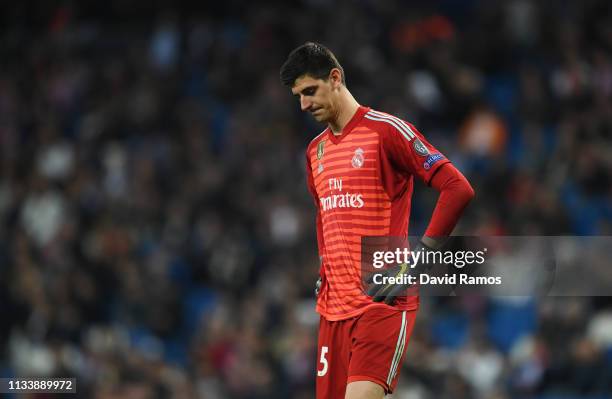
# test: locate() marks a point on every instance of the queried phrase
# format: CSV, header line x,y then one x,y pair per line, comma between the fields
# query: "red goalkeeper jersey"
x,y
362,184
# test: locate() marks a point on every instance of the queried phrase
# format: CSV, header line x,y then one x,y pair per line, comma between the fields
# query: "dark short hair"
x,y
311,59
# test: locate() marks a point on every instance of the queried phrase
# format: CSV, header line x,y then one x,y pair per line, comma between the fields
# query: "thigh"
x,y
379,342
333,353
364,390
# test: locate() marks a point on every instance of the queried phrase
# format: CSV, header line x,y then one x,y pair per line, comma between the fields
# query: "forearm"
x,y
455,193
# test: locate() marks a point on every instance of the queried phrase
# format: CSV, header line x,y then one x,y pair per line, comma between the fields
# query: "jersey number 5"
x,y
323,371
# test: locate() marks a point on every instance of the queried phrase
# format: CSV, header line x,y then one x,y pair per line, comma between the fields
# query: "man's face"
x,y
316,96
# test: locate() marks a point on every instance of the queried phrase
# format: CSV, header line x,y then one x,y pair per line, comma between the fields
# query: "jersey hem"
x,y
360,311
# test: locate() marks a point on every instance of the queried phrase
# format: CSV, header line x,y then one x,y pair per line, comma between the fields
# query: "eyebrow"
x,y
313,87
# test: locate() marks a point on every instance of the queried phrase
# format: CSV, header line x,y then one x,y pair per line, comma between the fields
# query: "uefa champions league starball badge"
x,y
358,158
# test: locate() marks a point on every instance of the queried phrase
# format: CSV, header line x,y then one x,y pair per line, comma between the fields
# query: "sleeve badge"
x,y
420,148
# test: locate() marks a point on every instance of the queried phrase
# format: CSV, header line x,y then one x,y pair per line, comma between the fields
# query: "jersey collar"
x,y
361,111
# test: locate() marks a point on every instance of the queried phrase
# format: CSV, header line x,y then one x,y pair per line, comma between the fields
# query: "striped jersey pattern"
x,y
361,182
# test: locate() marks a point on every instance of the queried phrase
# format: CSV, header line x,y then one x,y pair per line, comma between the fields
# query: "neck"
x,y
347,106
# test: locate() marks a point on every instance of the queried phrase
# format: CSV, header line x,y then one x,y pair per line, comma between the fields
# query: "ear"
x,y
335,77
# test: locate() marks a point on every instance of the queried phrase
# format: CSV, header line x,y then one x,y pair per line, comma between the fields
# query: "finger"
x,y
383,273
395,292
390,299
373,289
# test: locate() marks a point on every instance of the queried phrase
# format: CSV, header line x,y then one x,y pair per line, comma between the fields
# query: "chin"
x,y
320,118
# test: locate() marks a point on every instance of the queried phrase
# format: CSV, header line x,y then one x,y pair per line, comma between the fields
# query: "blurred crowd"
x,y
156,236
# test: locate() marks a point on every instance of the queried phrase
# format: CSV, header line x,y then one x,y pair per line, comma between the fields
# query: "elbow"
x,y
450,180
469,192
464,192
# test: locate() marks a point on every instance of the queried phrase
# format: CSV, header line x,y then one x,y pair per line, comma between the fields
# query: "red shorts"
x,y
369,347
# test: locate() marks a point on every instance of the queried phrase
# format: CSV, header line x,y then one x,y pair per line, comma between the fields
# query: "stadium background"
x,y
156,236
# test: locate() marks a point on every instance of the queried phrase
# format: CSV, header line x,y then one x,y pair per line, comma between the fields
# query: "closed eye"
x,y
309,91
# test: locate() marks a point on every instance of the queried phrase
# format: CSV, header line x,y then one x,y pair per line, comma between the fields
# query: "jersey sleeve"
x,y
313,191
455,193
409,152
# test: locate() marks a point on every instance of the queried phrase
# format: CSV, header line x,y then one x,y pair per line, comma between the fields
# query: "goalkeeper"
x,y
360,171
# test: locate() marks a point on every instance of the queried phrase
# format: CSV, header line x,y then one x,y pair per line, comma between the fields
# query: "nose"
x,y
305,103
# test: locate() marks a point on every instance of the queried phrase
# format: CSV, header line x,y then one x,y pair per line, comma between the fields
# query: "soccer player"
x,y
360,171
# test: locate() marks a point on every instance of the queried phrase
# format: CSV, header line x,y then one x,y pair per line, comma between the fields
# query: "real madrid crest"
x,y
358,158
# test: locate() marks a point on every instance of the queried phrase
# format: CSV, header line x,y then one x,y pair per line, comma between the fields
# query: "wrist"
x,y
433,243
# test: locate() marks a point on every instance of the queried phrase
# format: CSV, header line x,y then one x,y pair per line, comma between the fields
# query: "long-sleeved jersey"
x,y
362,182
